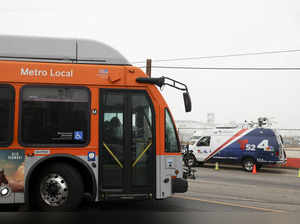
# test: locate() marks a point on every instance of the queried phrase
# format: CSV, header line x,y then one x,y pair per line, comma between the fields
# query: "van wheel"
x,y
58,187
248,164
189,160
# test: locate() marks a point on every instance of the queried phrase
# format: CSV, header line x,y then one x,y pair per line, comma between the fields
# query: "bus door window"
x,y
142,152
113,124
113,139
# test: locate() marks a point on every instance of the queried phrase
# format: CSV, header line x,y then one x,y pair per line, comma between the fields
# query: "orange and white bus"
x,y
78,121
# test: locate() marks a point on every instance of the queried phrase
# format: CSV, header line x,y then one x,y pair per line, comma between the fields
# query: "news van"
x,y
254,144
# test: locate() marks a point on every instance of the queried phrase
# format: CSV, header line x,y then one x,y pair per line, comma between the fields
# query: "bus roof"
x,y
82,51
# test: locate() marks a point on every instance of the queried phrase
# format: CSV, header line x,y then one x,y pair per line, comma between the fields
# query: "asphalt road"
x,y
270,189
216,196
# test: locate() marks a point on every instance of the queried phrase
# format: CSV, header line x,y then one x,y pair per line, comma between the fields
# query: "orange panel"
x,y
92,76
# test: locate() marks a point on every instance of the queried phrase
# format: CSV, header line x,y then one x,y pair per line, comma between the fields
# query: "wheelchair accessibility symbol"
x,y
78,135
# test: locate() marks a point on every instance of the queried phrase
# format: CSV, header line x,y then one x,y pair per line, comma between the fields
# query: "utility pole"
x,y
148,67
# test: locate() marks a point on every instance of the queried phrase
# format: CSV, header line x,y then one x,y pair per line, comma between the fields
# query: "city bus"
x,y
78,122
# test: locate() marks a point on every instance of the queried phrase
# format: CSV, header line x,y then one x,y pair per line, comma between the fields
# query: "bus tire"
x,y
59,187
248,164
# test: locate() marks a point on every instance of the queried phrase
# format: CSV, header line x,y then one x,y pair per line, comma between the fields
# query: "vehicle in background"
x,y
195,137
247,145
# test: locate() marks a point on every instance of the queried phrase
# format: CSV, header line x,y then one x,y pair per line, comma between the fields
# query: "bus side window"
x,y
204,141
54,115
171,140
6,114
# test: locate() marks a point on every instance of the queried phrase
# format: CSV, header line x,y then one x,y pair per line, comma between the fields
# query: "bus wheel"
x,y
248,164
59,187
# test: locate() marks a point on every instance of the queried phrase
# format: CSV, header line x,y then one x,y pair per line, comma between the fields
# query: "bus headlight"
x,y
4,191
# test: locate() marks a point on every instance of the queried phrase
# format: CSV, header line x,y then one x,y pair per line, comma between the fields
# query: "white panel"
x,y
166,166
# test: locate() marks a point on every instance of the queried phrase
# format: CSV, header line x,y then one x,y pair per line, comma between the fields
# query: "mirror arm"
x,y
174,82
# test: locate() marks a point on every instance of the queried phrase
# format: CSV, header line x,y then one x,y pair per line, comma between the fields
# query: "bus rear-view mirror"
x,y
187,102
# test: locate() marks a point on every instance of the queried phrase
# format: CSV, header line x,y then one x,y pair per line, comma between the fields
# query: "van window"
x,y
204,141
281,139
54,115
6,114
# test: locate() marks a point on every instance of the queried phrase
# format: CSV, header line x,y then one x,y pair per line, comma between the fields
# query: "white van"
x,y
246,146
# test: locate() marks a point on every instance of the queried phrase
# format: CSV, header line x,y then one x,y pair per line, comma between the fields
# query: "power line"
x,y
223,56
226,68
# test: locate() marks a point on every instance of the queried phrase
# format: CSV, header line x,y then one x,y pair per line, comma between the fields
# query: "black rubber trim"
x,y
179,185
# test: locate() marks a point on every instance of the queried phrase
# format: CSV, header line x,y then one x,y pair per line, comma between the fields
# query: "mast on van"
x,y
261,122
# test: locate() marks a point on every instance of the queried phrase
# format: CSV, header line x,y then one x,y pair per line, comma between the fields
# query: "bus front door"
x,y
126,138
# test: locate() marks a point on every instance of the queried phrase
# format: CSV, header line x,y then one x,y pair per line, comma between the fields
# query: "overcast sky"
x,y
179,29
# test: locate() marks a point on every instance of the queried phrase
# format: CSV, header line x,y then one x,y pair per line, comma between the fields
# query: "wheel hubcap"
x,y
190,161
54,190
248,165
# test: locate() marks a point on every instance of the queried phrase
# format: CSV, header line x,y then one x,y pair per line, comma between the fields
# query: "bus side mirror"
x,y
187,102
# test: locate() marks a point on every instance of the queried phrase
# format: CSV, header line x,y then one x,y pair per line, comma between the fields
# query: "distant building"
x,y
211,118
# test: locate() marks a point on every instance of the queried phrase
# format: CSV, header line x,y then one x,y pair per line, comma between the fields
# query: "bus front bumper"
x,y
179,185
